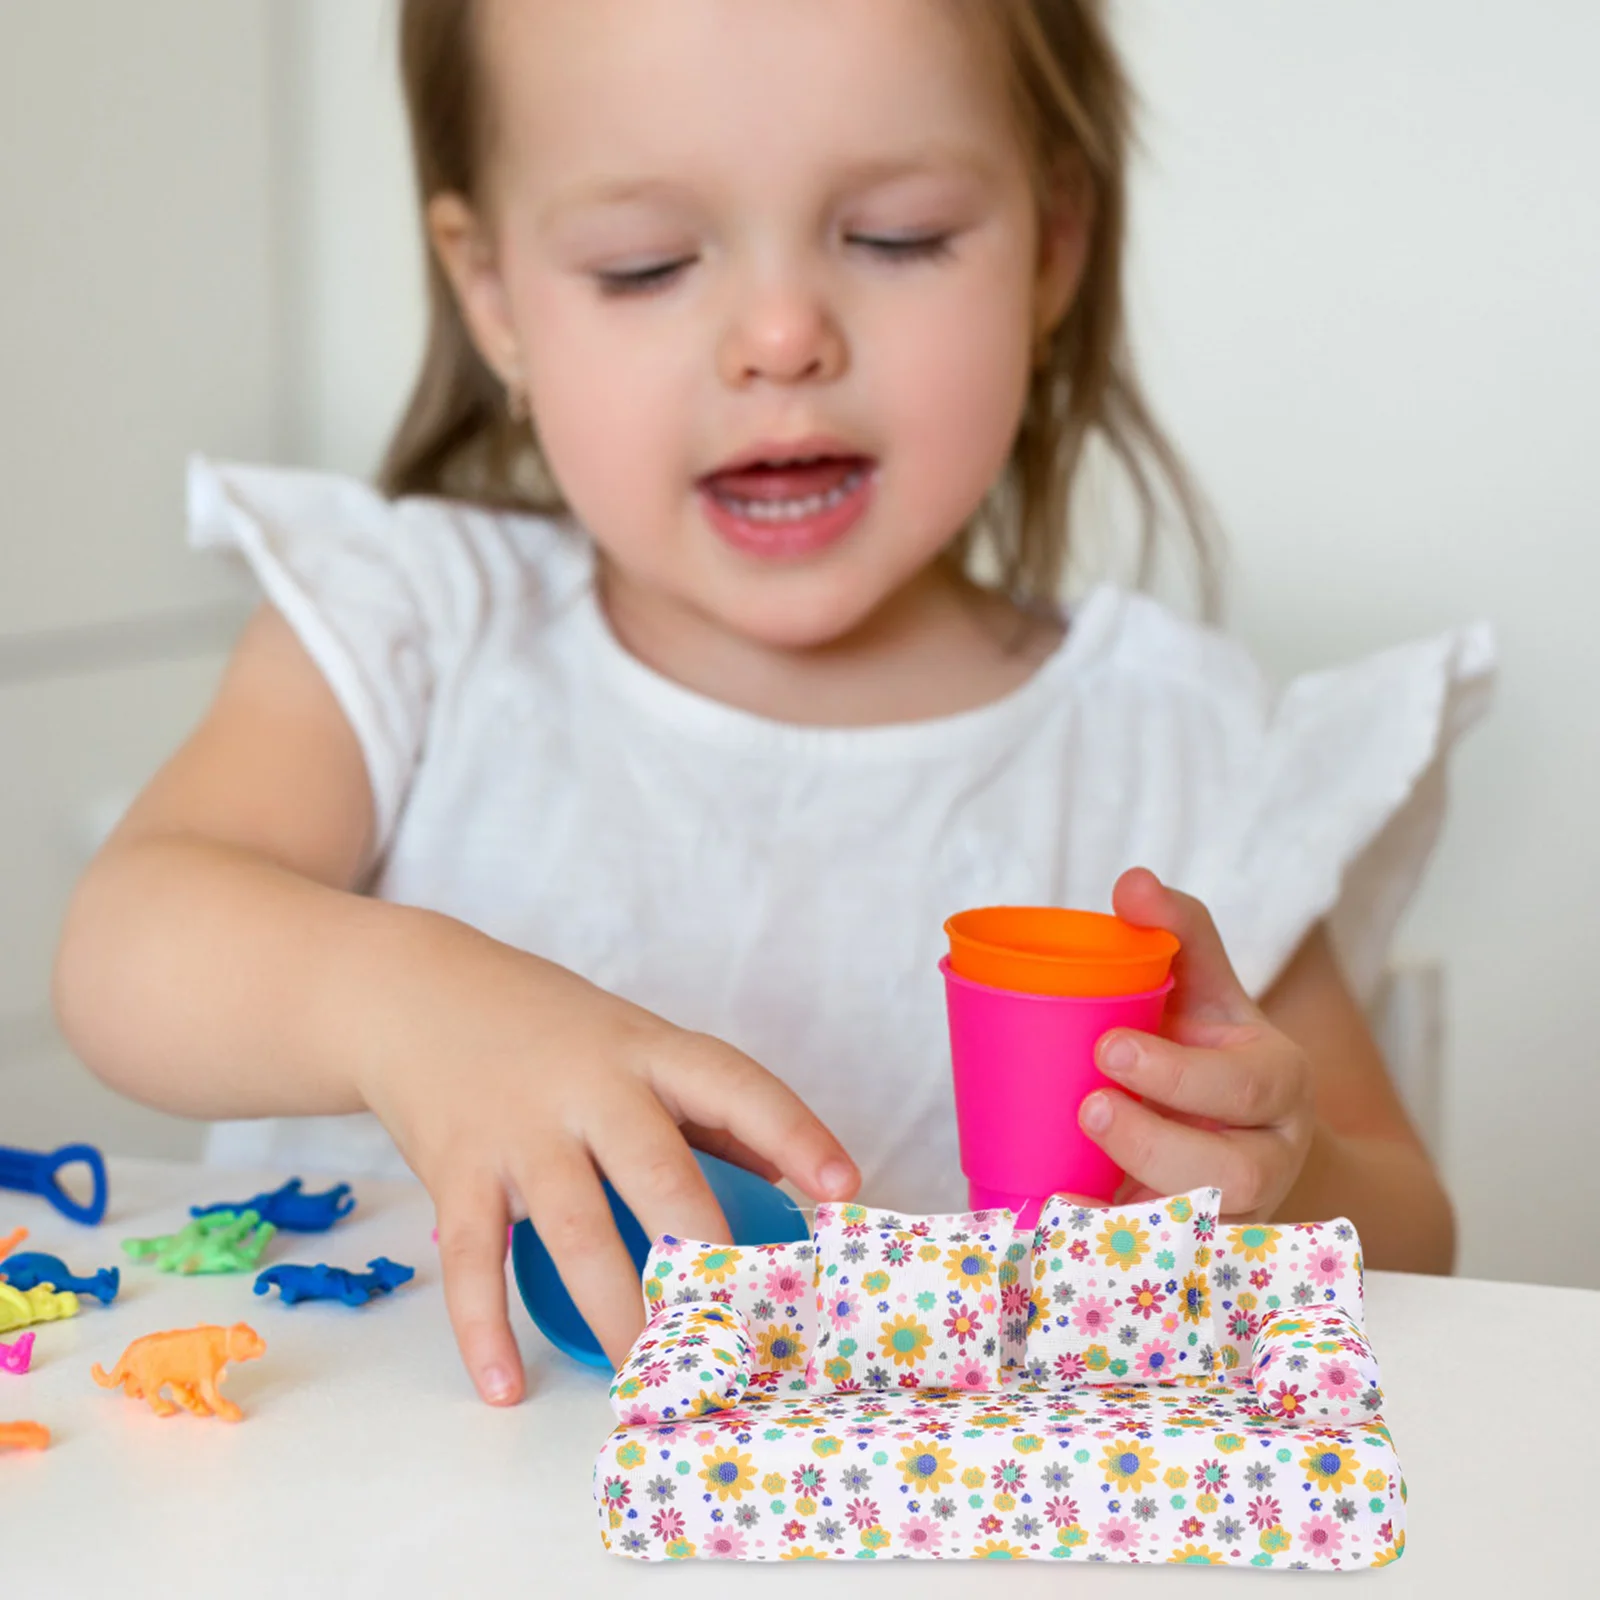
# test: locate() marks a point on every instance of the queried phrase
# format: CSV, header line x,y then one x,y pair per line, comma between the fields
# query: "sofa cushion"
x,y
689,1361
913,1302
1120,1293
772,1285
1315,1365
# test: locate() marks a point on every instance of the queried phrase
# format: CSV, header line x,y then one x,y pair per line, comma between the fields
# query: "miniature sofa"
x,y
1133,1384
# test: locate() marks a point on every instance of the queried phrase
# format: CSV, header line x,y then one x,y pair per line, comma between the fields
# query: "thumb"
x,y
1205,985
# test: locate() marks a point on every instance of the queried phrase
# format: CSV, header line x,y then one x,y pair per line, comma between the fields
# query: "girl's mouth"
x,y
789,511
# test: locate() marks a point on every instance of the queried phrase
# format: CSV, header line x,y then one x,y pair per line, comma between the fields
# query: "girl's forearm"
x,y
1388,1189
209,982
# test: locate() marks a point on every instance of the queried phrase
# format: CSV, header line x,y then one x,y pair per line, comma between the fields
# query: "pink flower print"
x,y
1264,1512
1285,1401
667,1525
638,1416
990,1524
1070,1368
844,1309
656,1372
1157,1360
921,1533
1340,1380
1061,1512
862,1514
1322,1536
787,1286
794,1530
666,1245
723,1544
970,1375
1145,1299
1092,1316
1014,1299
1260,1278
1079,1249
961,1324
1191,1527
824,1218
1326,1266
1169,1323
1119,1533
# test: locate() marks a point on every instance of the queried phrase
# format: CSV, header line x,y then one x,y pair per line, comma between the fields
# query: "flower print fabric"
x,y
772,1286
1120,1293
1257,1269
690,1360
1315,1365
914,1302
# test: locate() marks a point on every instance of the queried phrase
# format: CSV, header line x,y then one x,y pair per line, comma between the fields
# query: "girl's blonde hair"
x,y
1073,102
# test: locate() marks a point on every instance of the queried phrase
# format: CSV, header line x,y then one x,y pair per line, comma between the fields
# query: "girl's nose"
x,y
785,336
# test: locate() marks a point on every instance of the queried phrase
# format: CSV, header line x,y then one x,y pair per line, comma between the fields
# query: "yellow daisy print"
x,y
972,1266
875,1282
1332,1466
717,1264
1255,1242
728,1473
904,1341
1196,1302
802,1552
778,1348
999,1550
1195,1555
927,1466
1179,1208
928,1252
1123,1242
1129,1464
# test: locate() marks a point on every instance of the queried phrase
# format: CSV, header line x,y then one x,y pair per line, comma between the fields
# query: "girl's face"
x,y
717,227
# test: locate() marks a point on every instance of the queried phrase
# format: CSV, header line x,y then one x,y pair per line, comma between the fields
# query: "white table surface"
x,y
365,1465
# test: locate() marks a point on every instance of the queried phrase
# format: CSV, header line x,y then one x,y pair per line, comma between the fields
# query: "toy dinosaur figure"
x,y
322,1282
291,1211
18,1357
224,1241
10,1241
24,1435
19,1307
32,1268
187,1362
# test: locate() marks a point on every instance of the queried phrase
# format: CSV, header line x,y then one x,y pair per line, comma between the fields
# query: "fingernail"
x,y
1118,1054
1095,1114
497,1385
838,1179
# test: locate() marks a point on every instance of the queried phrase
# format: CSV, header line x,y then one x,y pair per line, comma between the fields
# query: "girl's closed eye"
x,y
643,280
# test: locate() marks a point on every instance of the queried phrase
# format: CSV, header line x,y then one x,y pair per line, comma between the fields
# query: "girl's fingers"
x,y
718,1142
1247,1164
570,1213
472,1251
1254,1086
1204,982
642,1151
703,1080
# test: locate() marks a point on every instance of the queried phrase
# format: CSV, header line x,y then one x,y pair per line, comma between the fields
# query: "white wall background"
x,y
1366,245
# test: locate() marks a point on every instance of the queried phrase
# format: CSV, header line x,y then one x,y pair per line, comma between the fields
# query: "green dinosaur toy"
x,y
221,1241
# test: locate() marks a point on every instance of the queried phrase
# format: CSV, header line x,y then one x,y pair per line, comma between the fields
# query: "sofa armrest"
x,y
690,1360
1315,1363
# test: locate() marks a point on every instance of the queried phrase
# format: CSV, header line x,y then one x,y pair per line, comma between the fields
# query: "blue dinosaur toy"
x,y
31,1268
321,1282
290,1211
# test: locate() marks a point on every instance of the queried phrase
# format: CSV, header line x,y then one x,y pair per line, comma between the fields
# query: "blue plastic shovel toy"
x,y
33,1173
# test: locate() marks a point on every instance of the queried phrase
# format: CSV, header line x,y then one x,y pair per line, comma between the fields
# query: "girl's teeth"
x,y
793,510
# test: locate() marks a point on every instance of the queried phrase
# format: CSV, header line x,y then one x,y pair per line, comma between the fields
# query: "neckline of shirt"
x,y
692,713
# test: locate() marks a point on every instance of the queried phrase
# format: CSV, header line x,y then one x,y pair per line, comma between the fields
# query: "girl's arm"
x,y
216,962
1366,1160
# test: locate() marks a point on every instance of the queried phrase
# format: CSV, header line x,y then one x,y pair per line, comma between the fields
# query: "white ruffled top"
x,y
784,887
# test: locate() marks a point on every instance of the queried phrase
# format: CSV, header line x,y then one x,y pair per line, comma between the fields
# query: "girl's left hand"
x,y
1228,1097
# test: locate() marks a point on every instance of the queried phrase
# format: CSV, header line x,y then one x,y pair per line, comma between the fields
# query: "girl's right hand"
x,y
509,1084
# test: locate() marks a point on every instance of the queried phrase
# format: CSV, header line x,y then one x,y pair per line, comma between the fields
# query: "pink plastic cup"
x,y
1023,1064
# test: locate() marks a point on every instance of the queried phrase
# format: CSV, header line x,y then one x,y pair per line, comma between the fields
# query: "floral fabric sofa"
x,y
1134,1384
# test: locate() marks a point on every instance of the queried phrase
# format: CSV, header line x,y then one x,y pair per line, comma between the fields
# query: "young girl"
x,y
599,788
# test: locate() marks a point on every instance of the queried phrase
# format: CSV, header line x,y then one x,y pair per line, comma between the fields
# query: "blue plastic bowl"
x,y
758,1213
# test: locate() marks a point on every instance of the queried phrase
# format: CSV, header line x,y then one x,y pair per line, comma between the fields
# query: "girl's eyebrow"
x,y
935,159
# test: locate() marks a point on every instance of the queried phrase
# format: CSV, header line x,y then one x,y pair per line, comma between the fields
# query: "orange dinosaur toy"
x,y
24,1435
189,1362
10,1241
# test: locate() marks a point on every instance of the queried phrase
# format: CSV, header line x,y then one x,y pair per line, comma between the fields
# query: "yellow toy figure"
x,y
187,1362
19,1307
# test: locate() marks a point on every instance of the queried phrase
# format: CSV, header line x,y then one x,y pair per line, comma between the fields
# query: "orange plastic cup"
x,y
1051,950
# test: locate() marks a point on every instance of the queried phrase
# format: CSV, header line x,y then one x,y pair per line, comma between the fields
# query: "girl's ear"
x,y
1065,229
465,249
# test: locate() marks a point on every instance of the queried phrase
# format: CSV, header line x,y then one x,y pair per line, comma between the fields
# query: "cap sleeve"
x,y
333,556
1336,808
